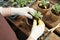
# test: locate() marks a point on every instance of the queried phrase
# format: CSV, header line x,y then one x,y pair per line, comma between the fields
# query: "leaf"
x,y
37,14
5,4
21,2
1,0
12,0
14,3
44,2
56,7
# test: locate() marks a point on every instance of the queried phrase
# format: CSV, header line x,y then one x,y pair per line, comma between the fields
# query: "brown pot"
x,y
57,14
53,17
43,10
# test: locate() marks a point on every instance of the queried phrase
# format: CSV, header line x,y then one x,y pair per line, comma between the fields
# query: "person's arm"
x,y
37,30
5,11
17,11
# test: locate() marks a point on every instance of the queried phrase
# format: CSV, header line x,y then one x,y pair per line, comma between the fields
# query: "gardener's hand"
x,y
22,11
17,11
37,30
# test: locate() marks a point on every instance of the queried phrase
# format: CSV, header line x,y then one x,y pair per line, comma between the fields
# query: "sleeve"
x,y
6,32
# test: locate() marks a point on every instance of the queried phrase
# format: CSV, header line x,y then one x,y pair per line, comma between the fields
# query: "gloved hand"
x,y
37,30
17,11
22,11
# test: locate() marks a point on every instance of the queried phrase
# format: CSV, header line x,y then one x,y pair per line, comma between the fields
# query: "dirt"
x,y
24,22
48,6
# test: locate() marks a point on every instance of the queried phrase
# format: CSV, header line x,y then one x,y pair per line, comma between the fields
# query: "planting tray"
x,y
51,23
47,20
17,22
21,24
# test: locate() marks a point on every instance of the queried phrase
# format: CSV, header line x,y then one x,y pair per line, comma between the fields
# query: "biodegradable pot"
x,y
57,14
43,10
53,16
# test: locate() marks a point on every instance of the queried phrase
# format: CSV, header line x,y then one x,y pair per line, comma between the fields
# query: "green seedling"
x,y
20,2
44,3
37,14
3,3
56,8
1,0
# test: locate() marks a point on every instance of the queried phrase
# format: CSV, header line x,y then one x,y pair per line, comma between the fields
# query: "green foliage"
x,y
20,2
1,0
44,3
37,14
3,3
56,7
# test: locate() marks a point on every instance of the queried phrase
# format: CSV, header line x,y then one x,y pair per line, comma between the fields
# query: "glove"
x,y
17,11
37,30
22,11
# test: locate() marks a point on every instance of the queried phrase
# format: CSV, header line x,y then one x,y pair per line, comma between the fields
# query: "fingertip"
x,y
34,22
29,16
40,22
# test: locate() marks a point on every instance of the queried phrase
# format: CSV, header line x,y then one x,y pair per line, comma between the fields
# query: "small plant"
x,y
37,15
20,2
1,0
56,8
44,3
3,3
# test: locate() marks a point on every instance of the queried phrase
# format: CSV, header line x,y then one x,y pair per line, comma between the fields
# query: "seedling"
x,y
3,3
20,2
56,8
1,0
44,3
37,14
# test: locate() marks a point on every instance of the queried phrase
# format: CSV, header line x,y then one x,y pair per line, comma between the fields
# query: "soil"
x,y
25,22
53,11
43,6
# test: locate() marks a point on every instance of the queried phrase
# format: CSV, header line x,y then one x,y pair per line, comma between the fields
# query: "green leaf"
x,y
1,0
21,2
44,2
56,7
5,4
14,3
12,0
37,14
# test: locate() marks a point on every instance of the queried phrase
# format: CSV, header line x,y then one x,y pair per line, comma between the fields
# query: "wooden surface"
x,y
16,23
53,36
52,24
